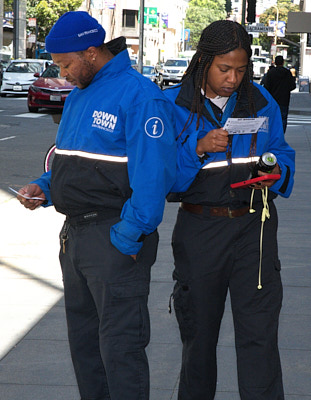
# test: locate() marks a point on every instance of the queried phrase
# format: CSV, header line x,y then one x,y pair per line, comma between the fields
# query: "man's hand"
x,y
31,190
214,141
268,183
134,256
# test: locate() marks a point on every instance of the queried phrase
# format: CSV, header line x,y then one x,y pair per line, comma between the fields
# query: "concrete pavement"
x,y
35,362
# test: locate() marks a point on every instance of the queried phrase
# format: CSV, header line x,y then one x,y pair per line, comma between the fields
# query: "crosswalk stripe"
x,y
29,115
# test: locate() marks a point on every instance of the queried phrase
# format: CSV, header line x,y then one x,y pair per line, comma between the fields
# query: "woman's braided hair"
x,y
220,37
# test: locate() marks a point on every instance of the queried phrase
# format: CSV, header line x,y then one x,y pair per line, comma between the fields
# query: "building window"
x,y
130,18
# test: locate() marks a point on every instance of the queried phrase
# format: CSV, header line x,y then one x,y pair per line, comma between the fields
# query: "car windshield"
x,y
176,63
259,59
51,72
24,67
148,70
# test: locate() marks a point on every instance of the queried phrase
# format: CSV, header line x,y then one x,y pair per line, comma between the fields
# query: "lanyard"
x,y
225,115
227,111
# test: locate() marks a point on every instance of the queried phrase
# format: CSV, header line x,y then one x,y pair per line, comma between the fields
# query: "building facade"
x,y
163,25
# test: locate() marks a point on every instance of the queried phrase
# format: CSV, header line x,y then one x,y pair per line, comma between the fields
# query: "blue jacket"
x,y
207,180
115,149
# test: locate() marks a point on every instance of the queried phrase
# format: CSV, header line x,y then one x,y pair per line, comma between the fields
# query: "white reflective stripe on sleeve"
x,y
241,160
91,156
215,164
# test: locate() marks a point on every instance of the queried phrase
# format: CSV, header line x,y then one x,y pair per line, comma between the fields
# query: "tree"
x,y
270,14
8,5
47,13
201,13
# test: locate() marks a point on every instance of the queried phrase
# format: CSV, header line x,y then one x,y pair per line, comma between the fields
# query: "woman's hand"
x,y
268,183
214,141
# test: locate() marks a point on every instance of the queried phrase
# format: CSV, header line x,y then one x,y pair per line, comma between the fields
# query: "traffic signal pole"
x,y
243,12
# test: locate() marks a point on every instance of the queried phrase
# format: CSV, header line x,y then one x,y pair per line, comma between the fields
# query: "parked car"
x,y
149,71
173,70
133,61
19,75
260,66
44,55
3,66
49,90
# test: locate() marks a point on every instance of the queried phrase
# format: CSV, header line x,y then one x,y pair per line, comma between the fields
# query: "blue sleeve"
x,y
188,161
45,182
151,151
284,153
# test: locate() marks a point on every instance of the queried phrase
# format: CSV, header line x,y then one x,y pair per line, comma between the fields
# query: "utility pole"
x,y
1,26
19,32
276,25
141,36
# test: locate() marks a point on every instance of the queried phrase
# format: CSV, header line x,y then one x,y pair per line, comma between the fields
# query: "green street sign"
x,y
151,15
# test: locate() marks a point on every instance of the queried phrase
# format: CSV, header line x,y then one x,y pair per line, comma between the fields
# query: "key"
x,y
64,238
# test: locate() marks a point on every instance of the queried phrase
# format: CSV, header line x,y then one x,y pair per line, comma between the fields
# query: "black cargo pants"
x,y
212,255
106,294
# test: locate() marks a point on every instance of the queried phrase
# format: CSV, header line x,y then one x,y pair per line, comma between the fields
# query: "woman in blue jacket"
x,y
225,238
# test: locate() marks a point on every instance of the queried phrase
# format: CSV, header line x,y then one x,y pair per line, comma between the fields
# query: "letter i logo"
x,y
154,127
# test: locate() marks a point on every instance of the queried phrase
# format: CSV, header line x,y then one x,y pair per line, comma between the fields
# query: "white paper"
x,y
242,126
26,197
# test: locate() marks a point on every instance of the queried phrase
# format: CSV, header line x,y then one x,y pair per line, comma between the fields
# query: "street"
x,y
24,139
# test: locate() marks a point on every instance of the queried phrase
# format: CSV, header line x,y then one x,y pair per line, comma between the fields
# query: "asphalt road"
x,y
24,140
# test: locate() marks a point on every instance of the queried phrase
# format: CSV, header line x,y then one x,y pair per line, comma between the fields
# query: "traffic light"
x,y
251,11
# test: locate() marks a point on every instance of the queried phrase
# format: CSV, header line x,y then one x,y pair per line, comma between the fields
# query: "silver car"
x,y
149,71
173,70
20,74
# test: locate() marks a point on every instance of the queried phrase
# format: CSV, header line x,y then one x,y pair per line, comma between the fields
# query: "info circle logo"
x,y
154,127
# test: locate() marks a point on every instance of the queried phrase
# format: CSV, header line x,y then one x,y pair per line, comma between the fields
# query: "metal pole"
x,y
16,29
243,12
19,31
276,31
1,27
277,25
141,36
183,35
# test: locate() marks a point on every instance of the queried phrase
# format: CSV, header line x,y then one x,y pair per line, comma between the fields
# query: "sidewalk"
x,y
34,356
300,103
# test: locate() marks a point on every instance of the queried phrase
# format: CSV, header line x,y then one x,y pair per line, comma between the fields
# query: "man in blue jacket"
x,y
225,238
114,164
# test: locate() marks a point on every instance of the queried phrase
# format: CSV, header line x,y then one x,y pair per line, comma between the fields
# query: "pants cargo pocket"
x,y
129,317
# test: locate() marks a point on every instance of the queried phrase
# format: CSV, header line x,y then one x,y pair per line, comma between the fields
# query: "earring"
x,y
94,59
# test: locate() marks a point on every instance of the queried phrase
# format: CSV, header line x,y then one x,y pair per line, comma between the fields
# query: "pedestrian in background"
x,y
225,239
116,131
280,82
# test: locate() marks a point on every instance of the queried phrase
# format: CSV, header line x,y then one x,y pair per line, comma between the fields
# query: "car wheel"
x,y
2,94
33,109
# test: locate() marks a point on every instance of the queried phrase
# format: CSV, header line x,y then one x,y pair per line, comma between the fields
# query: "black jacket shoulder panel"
x,y
186,93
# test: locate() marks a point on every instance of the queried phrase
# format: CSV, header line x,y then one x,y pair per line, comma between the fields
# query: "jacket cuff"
x,y
45,186
126,238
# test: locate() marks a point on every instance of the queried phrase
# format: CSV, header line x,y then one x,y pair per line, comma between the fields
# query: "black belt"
x,y
214,211
92,216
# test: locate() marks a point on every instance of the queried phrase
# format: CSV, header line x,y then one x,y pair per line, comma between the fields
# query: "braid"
x,y
220,37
